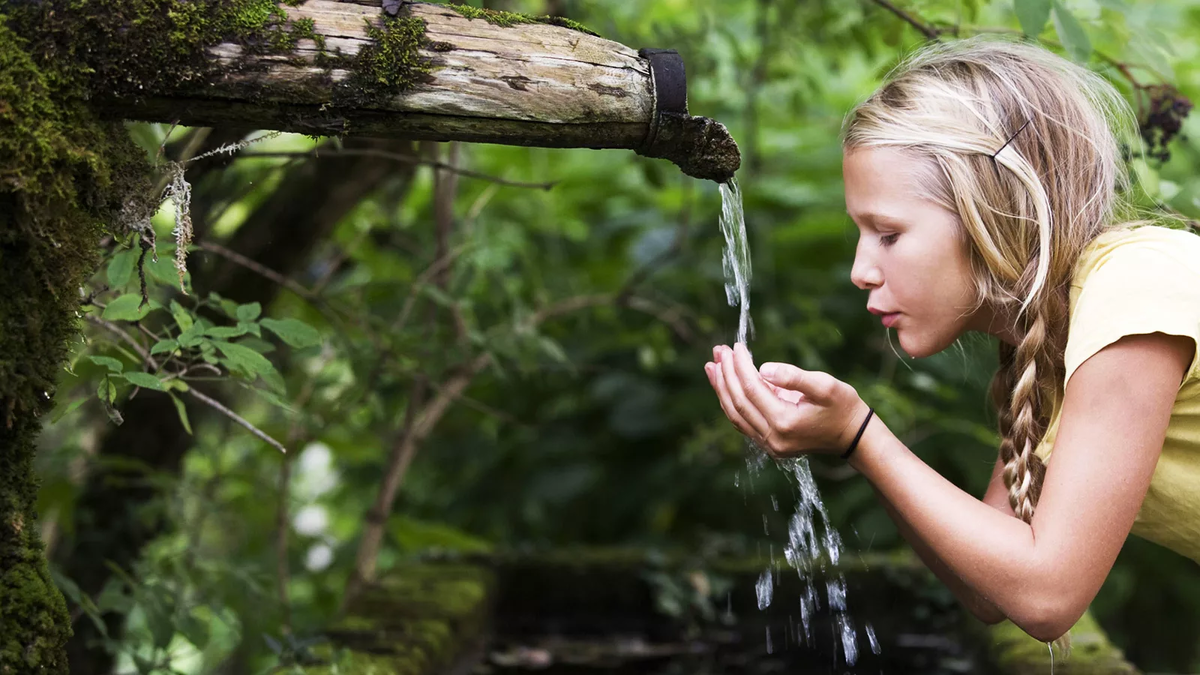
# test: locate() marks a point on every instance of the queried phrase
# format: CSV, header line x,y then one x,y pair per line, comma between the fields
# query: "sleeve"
x,y
1139,288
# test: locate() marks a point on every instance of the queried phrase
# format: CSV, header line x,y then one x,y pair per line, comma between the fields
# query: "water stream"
x,y
807,551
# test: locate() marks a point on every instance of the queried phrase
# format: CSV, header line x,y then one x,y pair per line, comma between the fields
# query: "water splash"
x,y
807,551
764,589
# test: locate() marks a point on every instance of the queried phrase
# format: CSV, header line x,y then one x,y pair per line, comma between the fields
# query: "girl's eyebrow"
x,y
874,217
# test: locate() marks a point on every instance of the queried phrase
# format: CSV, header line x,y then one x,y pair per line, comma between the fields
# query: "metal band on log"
x,y
529,84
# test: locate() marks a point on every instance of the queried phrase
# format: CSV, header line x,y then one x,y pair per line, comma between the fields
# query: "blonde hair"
x,y
1025,147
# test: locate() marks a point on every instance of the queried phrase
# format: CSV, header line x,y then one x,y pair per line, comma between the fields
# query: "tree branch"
x,y
216,405
927,31
438,165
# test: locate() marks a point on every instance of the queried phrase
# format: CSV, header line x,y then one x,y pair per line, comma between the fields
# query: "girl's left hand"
x,y
786,410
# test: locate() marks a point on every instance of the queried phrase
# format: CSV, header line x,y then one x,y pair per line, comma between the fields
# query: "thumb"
x,y
787,376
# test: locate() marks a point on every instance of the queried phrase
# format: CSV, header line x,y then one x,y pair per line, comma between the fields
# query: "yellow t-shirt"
x,y
1133,282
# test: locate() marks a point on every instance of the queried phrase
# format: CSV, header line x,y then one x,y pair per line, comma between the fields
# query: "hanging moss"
x,y
63,178
509,19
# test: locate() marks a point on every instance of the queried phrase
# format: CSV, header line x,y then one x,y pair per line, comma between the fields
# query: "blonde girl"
x,y
984,178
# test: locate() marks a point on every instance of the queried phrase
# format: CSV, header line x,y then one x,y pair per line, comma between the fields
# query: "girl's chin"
x,y
920,346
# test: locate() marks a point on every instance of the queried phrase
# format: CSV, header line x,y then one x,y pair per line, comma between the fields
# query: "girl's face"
x,y
910,255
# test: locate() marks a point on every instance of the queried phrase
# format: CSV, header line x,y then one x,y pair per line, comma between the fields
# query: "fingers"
x,y
813,385
762,398
713,370
737,393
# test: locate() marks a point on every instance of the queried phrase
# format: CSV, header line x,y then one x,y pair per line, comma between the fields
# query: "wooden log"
x,y
529,84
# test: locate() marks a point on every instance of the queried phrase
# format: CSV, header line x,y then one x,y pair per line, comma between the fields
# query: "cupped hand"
x,y
786,410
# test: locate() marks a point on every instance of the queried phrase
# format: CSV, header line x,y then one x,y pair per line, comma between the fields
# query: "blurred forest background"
x,y
470,347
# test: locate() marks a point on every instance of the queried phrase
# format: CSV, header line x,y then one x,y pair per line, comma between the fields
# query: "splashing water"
x,y
805,551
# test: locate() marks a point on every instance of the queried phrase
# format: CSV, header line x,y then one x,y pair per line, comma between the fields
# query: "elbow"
x,y
1047,615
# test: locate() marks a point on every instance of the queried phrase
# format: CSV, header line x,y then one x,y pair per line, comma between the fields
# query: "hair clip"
x,y
1010,140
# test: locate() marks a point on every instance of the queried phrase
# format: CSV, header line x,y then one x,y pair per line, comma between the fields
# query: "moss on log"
x,y
508,19
63,177
1013,652
420,620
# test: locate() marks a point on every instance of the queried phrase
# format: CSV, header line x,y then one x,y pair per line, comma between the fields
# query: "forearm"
x,y
990,553
983,609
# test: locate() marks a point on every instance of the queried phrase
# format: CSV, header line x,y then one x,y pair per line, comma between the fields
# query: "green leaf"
x,y
125,308
191,337
120,268
229,307
252,328
108,362
226,332
158,620
274,380
1071,32
145,381
182,317
63,411
107,391
244,358
1033,15
249,312
164,346
296,333
182,410
194,629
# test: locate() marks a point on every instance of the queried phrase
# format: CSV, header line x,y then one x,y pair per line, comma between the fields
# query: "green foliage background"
x,y
595,426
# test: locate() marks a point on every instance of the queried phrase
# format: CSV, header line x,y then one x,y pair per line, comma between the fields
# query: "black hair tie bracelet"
x,y
854,444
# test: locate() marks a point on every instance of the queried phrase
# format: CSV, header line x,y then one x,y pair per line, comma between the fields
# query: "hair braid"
x,y
1026,412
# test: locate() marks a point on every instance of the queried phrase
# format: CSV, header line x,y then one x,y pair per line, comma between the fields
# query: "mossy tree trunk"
x,y
62,177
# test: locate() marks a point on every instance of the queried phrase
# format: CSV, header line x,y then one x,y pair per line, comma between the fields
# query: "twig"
x,y
216,405
416,429
369,152
927,31
121,333
433,270
239,259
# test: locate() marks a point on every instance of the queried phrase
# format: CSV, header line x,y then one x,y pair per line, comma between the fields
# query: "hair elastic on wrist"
x,y
854,444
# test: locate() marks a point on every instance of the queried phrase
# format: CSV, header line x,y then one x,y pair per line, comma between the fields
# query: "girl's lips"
x,y
890,320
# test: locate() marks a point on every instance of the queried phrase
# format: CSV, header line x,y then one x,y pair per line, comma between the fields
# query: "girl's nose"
x,y
865,273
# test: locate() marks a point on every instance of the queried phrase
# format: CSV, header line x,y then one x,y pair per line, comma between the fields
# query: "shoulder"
x,y
1129,248
1134,281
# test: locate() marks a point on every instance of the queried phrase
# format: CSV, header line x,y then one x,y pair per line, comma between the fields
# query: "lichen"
x,y
509,19
64,177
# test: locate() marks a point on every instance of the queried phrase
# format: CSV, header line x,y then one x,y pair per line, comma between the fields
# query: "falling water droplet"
x,y
764,589
872,639
770,649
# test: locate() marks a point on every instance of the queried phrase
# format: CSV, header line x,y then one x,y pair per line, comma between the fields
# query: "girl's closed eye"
x,y
889,239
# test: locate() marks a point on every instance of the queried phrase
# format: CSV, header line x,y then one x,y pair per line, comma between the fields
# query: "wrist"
x,y
874,437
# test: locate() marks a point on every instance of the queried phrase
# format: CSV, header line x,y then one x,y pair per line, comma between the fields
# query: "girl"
x,y
983,178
